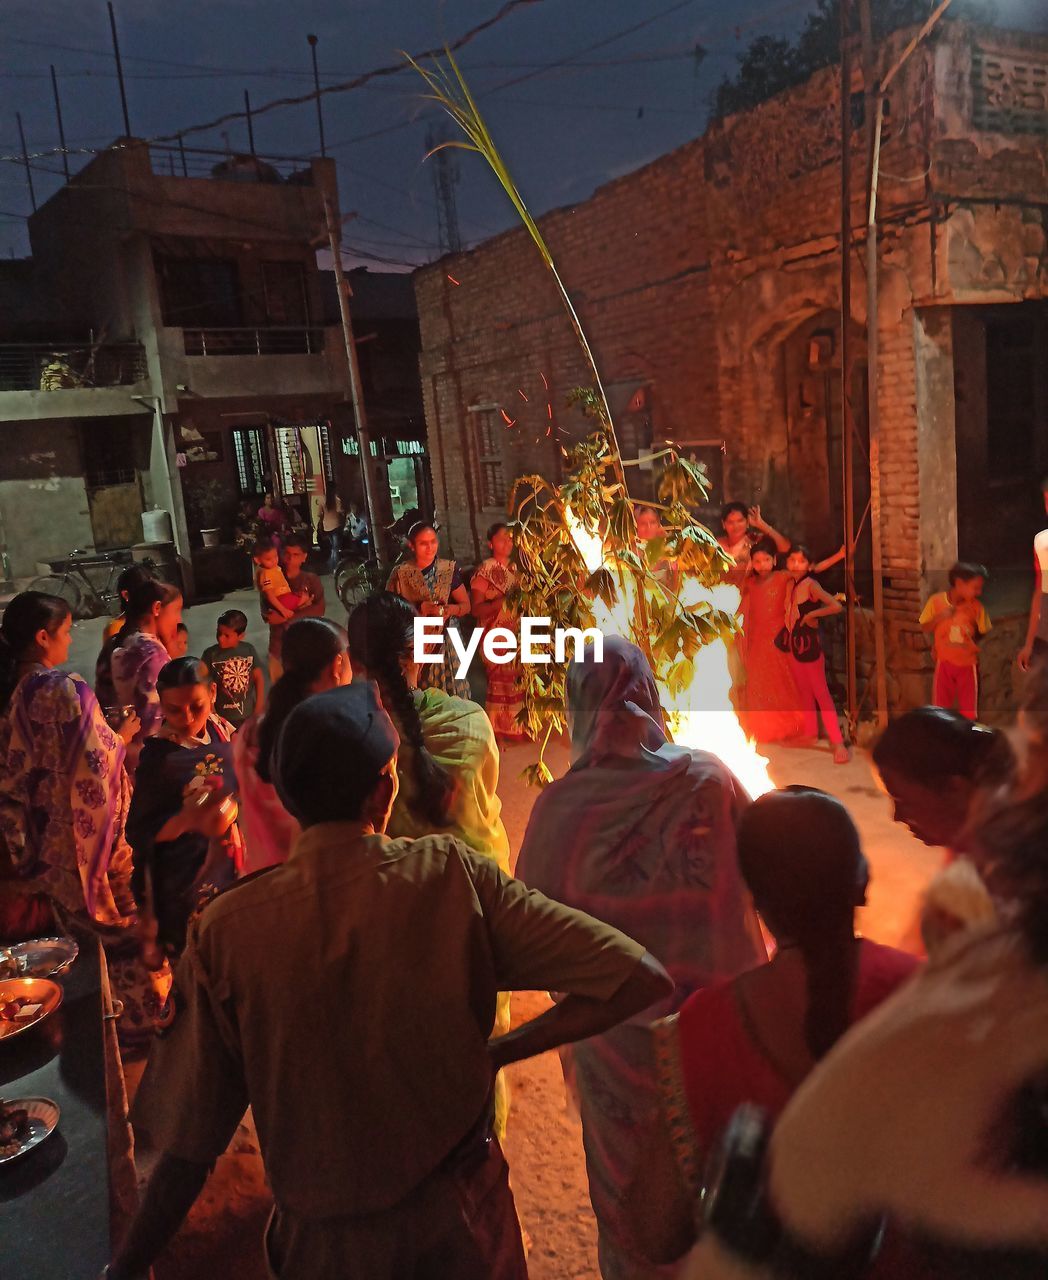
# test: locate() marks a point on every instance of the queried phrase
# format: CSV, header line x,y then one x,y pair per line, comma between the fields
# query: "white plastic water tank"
x,y
156,526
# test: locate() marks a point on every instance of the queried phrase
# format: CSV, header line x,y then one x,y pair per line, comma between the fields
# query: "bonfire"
x,y
576,549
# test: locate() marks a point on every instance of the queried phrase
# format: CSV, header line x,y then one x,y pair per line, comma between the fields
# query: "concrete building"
x,y
385,325
709,284
167,345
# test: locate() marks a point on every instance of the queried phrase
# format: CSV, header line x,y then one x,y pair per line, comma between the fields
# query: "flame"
x,y
701,716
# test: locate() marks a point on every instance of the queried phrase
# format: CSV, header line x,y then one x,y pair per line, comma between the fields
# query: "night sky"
x,y
575,92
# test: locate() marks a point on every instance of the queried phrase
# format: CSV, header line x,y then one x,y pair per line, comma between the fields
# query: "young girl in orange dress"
x,y
771,704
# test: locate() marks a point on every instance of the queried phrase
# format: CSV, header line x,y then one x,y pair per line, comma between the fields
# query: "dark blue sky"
x,y
615,102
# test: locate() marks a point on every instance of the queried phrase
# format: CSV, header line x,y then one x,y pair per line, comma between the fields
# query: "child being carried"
x,y
271,582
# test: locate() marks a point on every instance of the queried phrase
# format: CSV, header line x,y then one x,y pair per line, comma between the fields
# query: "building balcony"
x,y
283,341
254,362
57,366
48,380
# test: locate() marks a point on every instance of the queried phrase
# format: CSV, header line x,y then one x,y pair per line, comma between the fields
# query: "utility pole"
x,y
25,161
876,95
316,89
847,417
250,125
61,129
445,179
873,417
376,488
119,68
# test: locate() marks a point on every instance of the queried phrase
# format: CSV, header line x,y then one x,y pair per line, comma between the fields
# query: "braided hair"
x,y
800,855
381,631
309,647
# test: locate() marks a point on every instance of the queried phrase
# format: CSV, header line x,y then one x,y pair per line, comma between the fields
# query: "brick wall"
x,y
694,272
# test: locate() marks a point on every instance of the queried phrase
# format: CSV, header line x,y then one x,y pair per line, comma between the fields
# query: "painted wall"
x,y
43,501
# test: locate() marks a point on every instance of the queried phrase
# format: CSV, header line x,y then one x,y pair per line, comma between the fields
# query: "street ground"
x,y
544,1145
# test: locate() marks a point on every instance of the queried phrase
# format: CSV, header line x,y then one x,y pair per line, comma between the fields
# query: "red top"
x,y
709,1064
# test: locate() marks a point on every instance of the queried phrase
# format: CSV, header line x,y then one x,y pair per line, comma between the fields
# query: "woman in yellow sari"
x,y
448,761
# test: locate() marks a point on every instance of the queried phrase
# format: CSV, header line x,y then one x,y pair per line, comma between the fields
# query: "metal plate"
x,y
43,1120
45,957
39,991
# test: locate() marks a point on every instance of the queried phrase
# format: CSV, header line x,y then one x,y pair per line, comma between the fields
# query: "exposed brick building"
x,y
709,284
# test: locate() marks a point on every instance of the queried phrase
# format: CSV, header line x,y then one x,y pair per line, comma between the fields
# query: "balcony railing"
x,y
254,342
55,366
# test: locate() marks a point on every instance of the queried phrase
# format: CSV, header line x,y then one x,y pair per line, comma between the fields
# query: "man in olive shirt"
x,y
347,997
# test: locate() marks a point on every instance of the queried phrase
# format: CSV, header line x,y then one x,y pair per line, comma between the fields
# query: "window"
x,y
249,449
489,458
287,303
199,293
109,454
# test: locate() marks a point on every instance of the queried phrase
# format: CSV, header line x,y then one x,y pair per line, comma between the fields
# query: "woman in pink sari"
x,y
639,833
771,706
316,658
65,862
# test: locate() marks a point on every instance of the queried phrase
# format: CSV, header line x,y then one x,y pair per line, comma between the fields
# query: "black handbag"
x,y
782,640
805,644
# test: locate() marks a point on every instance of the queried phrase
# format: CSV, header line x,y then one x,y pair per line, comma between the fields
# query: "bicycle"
x,y
70,580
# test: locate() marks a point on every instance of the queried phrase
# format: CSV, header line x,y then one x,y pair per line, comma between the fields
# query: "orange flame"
x,y
701,716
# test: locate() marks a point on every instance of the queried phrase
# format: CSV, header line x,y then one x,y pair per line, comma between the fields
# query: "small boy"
x,y
236,669
271,583
179,646
958,621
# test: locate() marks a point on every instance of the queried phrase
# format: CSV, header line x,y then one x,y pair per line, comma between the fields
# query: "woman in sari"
x,y
435,588
448,762
153,612
488,588
771,706
316,658
639,833
64,798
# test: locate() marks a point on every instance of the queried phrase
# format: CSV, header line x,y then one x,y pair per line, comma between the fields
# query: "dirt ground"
x,y
222,1236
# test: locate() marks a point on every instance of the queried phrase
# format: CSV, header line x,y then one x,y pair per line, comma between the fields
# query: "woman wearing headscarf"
x,y
641,834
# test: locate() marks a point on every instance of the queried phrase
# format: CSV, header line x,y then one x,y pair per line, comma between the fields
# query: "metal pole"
x,y
316,85
875,119
61,129
182,153
250,125
119,69
379,512
873,103
874,418
847,421
25,161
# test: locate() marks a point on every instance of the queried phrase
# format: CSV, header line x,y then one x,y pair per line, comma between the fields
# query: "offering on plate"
x,y
18,1013
15,1129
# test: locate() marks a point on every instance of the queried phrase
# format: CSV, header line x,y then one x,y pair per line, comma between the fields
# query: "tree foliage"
x,y
771,65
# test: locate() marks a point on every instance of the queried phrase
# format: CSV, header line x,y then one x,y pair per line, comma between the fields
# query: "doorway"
x,y
1000,361
109,449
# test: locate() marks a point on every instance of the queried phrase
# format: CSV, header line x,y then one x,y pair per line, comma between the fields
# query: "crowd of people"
x,y
308,907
